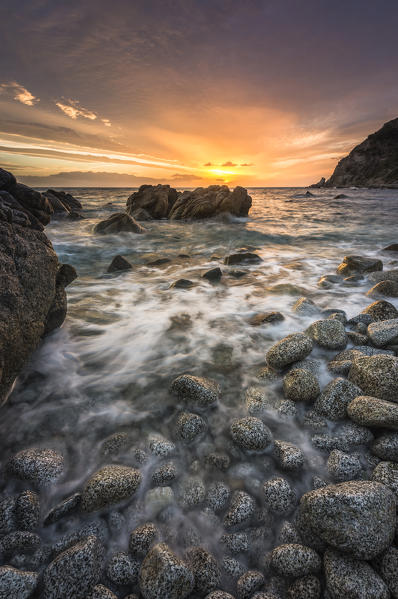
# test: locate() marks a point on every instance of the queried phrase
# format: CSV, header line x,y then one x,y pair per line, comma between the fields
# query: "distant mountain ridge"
x,y
373,163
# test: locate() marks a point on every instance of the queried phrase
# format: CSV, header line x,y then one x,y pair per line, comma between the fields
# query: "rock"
x,y
349,435
295,560
120,222
27,510
109,485
372,163
288,534
383,332
335,398
213,275
164,576
321,183
189,426
288,350
250,433
242,258
355,517
386,447
217,496
236,542
329,334
8,521
160,446
64,508
218,460
7,179
123,569
140,214
289,457
357,338
119,263
74,572
203,565
358,264
182,284
115,443
348,577
342,466
381,310
196,390
39,466
142,538
241,509
101,592
219,595
384,288
191,492
266,318
305,306
155,200
19,541
327,281
387,474
307,587
393,247
387,568
376,375
211,201
16,584
385,275
250,582
279,496
233,568
62,202
300,384
165,474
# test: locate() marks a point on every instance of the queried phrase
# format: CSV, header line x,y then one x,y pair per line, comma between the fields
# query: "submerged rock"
x,y
197,390
213,275
288,350
251,433
358,264
266,318
242,258
120,222
39,466
164,576
109,485
211,201
119,263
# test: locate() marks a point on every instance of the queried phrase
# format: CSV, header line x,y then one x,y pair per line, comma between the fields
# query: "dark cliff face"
x,y
373,163
32,285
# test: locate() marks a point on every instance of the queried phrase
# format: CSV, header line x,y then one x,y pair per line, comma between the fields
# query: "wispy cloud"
x,y
73,109
19,93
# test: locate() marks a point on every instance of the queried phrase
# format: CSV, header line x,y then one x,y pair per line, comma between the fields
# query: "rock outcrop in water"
x,y
32,281
373,163
162,201
63,203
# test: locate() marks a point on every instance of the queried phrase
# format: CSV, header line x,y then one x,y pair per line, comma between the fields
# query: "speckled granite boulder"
x,y
39,466
122,569
387,567
381,310
376,375
288,350
300,384
189,426
109,485
356,517
165,576
100,591
328,333
65,507
387,474
306,306
343,466
279,496
306,587
384,332
218,496
335,397
16,584
197,390
295,560
74,572
351,578
250,582
384,288
358,265
241,509
373,412
141,539
385,447
250,433
27,510
207,574
219,595
289,457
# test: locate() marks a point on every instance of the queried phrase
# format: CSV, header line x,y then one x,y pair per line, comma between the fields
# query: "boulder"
x,y
384,288
328,333
387,474
109,485
141,539
250,433
250,582
119,264
241,509
207,574
122,569
343,466
300,384
376,375
39,466
189,426
381,310
295,560
279,496
16,584
120,222
387,567
211,201
289,457
165,576
384,332
156,200
352,578
335,397
62,202
355,517
306,587
196,390
358,264
385,447
385,275
242,258
288,350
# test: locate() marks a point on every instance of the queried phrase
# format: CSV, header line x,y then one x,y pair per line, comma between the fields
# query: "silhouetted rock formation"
x,y
373,163
63,203
155,200
32,281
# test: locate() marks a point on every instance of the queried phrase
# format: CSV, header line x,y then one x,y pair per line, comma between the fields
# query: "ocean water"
x,y
127,336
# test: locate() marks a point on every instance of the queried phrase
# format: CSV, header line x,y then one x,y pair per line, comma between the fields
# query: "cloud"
x,y
106,122
19,93
186,177
247,164
73,109
229,163
208,164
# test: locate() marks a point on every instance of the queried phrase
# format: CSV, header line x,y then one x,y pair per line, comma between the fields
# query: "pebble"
x,y
39,466
289,457
329,334
301,384
279,496
141,539
241,509
343,466
189,426
295,560
109,485
196,390
250,433
288,350
163,575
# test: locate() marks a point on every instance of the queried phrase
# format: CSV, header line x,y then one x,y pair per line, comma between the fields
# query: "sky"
x,y
191,92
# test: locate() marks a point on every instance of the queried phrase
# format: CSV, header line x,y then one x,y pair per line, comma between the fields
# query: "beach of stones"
x,y
255,516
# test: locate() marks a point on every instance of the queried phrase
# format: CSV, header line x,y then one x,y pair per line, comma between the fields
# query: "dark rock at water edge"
x,y
120,222
118,264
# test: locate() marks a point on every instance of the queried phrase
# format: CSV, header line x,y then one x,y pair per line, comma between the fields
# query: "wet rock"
x,y
192,492
182,284
335,398
74,572
197,390
219,595
376,375
241,509
295,560
387,568
233,568
328,333
235,542
300,384
160,446
256,401
155,200
120,222
242,258
8,521
387,474
279,496
386,447
355,517
305,306
218,496
123,569
62,509
266,318
113,444
62,202
211,201
27,510
393,247
142,538
164,576
289,457
109,485
250,433
165,474
307,587
348,577
342,466
288,350
101,592
384,288
374,412
118,264
19,541
16,584
381,310
383,332
385,275
221,461
327,281
213,275
39,466
288,534
250,582
357,338
203,565
358,264
189,426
